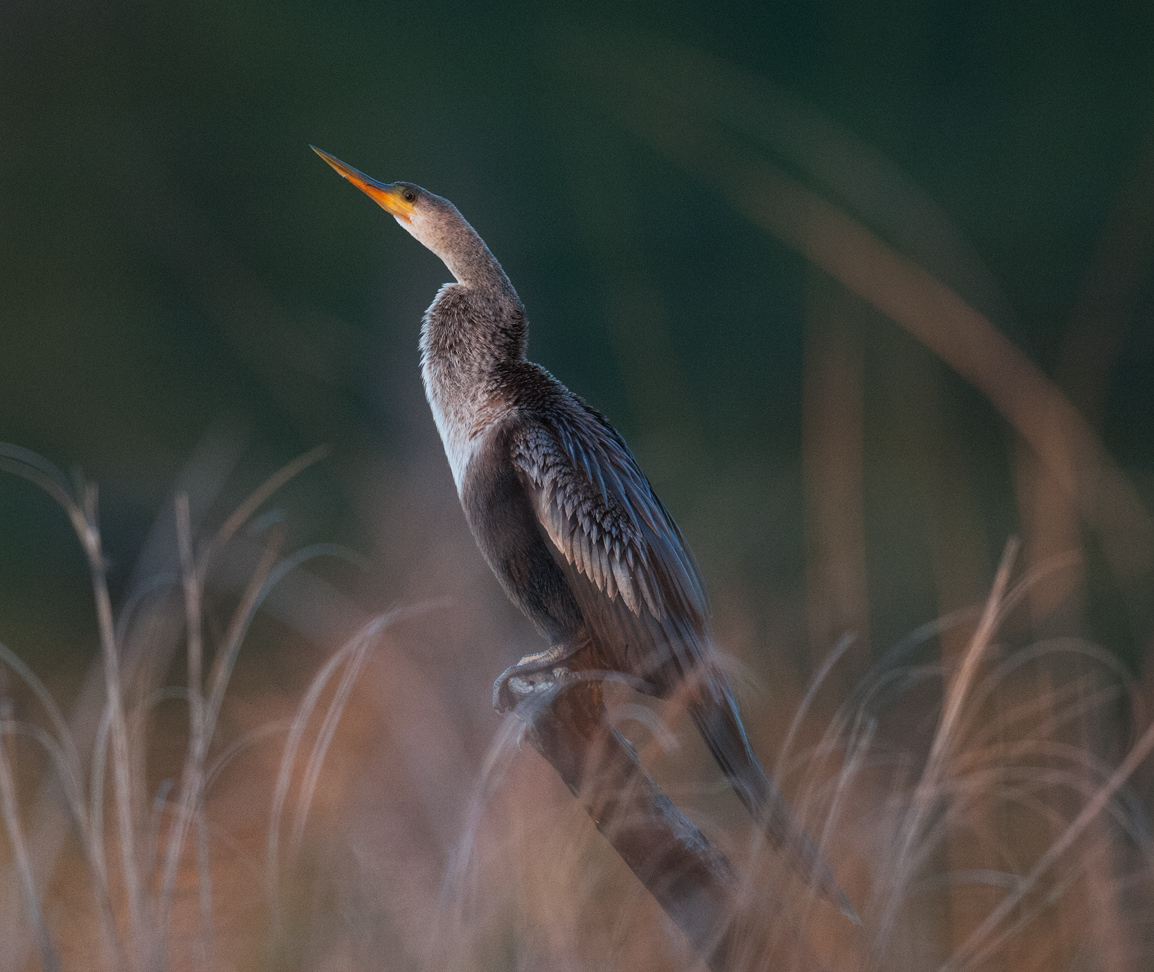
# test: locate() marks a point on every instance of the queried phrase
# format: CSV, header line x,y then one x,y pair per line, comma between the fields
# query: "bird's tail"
x,y
719,724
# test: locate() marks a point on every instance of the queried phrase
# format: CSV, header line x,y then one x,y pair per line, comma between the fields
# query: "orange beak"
x,y
387,196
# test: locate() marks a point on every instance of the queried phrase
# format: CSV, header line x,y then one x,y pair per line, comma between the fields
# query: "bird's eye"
x,y
409,195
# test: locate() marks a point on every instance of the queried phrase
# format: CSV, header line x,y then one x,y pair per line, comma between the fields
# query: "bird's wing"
x,y
628,564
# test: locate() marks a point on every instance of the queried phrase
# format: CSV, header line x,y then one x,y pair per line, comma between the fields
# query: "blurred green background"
x,y
175,263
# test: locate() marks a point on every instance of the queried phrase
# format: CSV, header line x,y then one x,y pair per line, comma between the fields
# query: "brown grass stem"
x,y
982,942
928,792
198,741
241,514
349,655
121,756
325,735
226,654
9,810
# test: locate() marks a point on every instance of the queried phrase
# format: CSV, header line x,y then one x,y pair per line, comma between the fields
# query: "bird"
x,y
564,516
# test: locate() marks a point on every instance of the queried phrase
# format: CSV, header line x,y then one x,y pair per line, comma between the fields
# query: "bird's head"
x,y
427,216
436,223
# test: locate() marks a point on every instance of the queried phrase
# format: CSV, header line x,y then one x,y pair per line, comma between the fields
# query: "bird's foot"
x,y
532,674
513,687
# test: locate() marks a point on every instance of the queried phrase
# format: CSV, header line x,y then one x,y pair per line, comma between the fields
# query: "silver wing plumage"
x,y
627,562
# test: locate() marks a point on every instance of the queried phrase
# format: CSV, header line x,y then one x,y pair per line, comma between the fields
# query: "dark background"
x,y
175,263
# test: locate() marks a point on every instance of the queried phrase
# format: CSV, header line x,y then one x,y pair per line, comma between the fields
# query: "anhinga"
x,y
563,514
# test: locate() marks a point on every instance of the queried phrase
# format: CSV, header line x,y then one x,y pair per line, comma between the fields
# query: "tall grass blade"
x,y
292,745
194,800
241,514
121,756
9,810
983,942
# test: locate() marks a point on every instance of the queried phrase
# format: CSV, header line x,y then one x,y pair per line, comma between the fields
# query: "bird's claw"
x,y
520,682
505,697
544,671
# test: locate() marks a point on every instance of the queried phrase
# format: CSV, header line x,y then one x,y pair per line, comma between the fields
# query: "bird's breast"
x,y
462,423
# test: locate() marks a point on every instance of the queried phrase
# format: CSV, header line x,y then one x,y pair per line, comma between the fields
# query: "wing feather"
x,y
628,563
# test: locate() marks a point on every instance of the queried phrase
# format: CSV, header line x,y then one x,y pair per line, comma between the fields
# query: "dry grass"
x,y
973,819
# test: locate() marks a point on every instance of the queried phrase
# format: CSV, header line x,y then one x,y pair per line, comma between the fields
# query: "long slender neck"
x,y
472,331
473,264
448,234
478,323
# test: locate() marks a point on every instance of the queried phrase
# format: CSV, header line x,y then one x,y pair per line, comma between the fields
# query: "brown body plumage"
x,y
563,514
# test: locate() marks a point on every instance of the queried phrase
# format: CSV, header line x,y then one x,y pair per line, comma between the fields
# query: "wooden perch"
x,y
691,879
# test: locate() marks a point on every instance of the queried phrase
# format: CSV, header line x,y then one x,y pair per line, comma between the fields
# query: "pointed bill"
x,y
386,195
